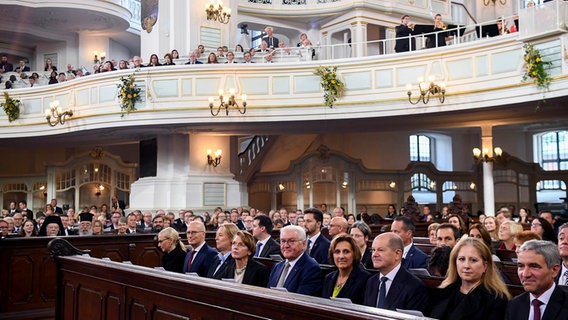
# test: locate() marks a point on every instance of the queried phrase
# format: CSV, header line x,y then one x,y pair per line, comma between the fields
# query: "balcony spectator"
x,y
53,77
22,67
168,60
174,54
193,58
200,50
230,57
49,66
154,61
270,40
137,62
239,48
122,65
5,66
212,58
61,77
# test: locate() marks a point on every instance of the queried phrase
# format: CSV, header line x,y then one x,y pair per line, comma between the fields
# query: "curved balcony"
x,y
483,81
309,8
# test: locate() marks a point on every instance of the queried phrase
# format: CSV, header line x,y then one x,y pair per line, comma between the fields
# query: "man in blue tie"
x,y
299,273
393,287
262,230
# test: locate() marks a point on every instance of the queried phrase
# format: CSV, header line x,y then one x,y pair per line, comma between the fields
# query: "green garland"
x,y
11,107
128,93
535,68
332,86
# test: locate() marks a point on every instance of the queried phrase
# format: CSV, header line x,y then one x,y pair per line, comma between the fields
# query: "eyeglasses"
x,y
160,241
289,242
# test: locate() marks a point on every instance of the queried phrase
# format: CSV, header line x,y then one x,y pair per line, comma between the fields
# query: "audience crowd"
x,y
379,272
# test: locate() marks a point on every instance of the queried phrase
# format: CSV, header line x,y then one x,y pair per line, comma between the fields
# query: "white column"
x,y
488,185
359,38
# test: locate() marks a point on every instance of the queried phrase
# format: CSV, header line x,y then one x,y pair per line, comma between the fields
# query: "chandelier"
x,y
216,12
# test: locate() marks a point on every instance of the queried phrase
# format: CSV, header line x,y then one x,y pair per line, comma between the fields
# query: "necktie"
x,y
282,278
190,260
383,293
309,246
221,261
536,309
566,278
258,246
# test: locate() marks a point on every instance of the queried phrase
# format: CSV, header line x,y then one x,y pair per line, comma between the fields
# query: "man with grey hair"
x,y
563,249
299,273
393,287
85,228
538,265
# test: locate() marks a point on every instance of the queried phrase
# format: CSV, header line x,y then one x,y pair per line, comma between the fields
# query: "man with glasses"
x,y
299,273
201,256
18,222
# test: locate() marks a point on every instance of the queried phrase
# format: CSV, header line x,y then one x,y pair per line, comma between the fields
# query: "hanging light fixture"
x,y
216,12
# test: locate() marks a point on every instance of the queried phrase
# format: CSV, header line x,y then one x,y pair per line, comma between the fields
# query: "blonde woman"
x,y
507,232
174,250
473,288
492,226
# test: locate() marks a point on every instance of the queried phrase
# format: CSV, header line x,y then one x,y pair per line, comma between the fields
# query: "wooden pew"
x,y
91,288
28,273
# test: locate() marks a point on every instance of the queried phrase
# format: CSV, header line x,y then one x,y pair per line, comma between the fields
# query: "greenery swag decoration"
x,y
11,107
535,68
128,93
332,86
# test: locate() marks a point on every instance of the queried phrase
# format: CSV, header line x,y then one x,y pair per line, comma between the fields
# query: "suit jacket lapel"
x,y
554,305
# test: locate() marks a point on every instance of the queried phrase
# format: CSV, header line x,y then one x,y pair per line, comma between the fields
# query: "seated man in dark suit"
x,y
393,287
262,230
318,245
200,258
299,273
412,257
538,265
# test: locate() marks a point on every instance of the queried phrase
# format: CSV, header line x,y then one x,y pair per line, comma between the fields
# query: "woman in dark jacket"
x,y
173,248
350,279
243,268
473,288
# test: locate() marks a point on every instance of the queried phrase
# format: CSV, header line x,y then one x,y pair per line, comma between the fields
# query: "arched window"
x,y
553,155
420,148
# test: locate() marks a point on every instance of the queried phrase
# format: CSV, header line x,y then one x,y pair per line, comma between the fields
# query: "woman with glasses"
x,y
174,250
544,229
350,279
243,268
361,232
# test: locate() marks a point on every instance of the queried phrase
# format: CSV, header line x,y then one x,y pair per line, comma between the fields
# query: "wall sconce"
x,y
427,89
281,187
392,184
102,57
227,102
99,189
487,2
57,113
483,155
215,159
216,12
